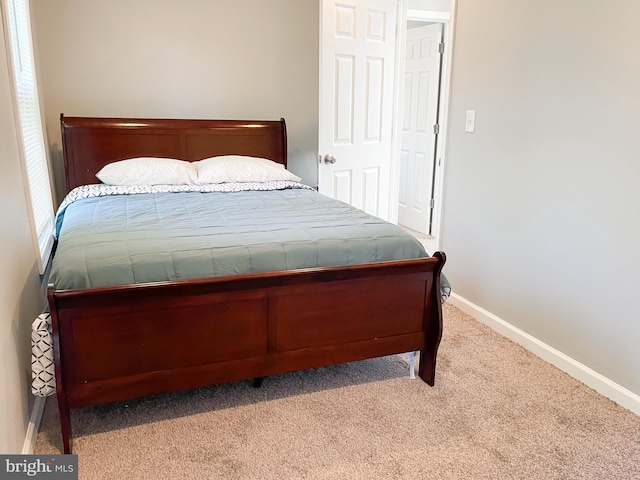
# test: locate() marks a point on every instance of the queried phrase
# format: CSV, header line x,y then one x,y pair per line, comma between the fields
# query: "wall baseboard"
x,y
29,445
577,370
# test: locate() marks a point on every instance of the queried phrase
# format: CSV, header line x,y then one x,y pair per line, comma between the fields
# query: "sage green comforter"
x,y
147,237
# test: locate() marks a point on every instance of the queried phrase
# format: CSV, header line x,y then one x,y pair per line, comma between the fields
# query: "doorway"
x,y
420,109
361,109
422,123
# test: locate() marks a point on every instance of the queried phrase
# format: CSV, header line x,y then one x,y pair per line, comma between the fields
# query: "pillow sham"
x,y
241,168
148,171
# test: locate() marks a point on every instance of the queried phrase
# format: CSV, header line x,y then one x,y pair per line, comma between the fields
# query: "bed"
x,y
134,334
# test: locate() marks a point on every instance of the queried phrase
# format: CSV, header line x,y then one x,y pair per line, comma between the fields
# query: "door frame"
x,y
448,20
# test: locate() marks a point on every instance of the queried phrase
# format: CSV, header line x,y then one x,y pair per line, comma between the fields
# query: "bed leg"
x,y
427,367
65,424
257,382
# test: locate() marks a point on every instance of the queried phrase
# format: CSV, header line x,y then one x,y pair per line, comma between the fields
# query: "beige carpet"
x,y
496,412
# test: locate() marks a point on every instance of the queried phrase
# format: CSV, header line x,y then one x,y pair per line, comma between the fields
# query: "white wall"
x,y
432,5
182,58
540,205
21,298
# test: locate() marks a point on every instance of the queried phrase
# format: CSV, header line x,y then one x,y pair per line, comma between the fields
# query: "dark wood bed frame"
x,y
129,341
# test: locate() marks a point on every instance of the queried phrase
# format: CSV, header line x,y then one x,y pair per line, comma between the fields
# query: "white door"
x,y
419,116
357,52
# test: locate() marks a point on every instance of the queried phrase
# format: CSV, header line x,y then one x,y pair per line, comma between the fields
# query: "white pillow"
x,y
148,171
240,168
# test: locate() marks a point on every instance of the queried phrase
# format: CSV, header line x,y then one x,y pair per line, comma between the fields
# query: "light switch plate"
x,y
470,121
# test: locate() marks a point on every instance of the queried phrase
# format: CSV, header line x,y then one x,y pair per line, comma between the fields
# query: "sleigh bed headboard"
x,y
91,143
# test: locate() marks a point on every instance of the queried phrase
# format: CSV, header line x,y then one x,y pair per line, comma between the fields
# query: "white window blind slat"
x,y
17,24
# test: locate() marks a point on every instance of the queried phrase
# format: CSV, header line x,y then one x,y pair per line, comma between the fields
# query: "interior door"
x,y
419,116
357,53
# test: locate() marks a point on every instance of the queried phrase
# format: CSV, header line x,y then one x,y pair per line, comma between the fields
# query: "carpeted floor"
x,y
496,412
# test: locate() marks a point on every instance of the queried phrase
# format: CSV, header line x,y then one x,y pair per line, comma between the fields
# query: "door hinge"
x,y
441,47
432,203
436,129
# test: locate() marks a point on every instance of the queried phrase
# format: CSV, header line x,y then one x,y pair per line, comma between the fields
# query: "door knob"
x,y
329,159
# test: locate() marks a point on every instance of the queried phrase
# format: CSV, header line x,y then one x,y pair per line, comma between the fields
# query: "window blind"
x,y
30,132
